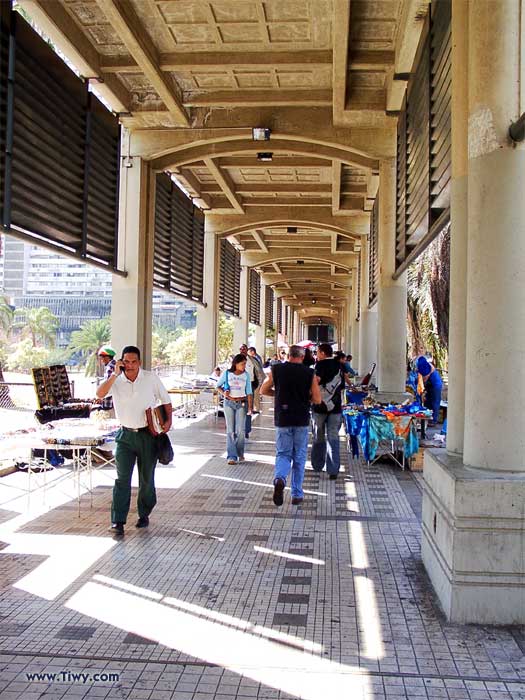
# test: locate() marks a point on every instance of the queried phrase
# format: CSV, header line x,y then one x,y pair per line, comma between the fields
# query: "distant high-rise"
x,y
75,292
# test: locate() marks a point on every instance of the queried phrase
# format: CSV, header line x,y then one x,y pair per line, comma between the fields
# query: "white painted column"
x,y
207,317
260,330
458,230
131,301
392,294
495,378
240,325
368,332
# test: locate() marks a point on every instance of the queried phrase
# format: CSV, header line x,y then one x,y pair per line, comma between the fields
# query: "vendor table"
x,y
382,432
197,399
76,436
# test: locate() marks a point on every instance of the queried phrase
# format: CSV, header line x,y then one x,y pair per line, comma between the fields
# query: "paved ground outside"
x,y
226,596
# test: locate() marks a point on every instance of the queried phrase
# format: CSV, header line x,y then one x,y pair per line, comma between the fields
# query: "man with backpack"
x,y
327,417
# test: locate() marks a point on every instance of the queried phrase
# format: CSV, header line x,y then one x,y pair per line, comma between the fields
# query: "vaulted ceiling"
x,y
191,78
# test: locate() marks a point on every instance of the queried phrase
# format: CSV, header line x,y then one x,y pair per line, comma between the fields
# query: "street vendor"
x,y
433,385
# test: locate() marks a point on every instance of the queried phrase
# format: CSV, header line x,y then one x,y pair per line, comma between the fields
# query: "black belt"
x,y
135,430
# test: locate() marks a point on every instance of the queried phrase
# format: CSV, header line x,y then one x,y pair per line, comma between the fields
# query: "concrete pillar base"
x,y
472,545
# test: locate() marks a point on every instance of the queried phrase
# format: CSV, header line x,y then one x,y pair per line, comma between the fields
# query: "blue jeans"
x,y
325,448
235,414
291,448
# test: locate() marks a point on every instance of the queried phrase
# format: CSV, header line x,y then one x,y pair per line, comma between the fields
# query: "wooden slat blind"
x,y
254,297
178,259
230,279
373,259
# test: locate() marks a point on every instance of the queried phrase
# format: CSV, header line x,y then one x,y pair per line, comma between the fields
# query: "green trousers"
x,y
131,447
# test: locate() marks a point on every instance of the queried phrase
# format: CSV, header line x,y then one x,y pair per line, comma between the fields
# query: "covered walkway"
x,y
227,596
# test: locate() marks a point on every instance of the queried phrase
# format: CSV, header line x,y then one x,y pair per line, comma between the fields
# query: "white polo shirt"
x,y
131,399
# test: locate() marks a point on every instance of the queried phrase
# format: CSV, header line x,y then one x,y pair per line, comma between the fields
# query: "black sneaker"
x,y
278,488
143,521
117,529
297,501
333,477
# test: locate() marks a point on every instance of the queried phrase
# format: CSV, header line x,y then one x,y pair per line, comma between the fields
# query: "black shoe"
x,y
143,521
278,488
333,477
117,529
297,501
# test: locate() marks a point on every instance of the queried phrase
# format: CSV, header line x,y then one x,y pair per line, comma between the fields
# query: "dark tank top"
x,y
292,384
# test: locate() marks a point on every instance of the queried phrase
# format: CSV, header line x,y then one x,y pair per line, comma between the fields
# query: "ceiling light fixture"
x,y
261,133
265,156
291,229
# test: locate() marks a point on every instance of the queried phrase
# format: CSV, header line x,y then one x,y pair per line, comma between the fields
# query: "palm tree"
x,y
7,315
88,339
40,324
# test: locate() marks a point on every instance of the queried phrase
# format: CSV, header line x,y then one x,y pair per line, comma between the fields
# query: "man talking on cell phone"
x,y
134,390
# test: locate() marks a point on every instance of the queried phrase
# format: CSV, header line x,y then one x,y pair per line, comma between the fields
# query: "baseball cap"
x,y
107,350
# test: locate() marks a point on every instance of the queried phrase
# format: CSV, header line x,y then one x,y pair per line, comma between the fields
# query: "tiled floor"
x,y
226,596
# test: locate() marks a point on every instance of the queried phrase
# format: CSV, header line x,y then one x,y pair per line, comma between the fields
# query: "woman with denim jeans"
x,y
236,388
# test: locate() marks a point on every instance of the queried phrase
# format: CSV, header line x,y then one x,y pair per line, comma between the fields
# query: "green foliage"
x,y
183,351
161,337
40,324
427,297
7,315
58,356
26,356
224,338
87,341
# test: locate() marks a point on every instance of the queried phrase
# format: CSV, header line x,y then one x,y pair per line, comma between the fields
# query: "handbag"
x,y
164,449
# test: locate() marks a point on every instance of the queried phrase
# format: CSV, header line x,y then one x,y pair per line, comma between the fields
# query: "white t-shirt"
x,y
131,399
239,384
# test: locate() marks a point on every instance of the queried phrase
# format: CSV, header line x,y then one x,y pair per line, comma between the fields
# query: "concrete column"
x,y
260,330
296,326
368,332
458,230
131,301
473,513
495,379
207,316
392,294
240,325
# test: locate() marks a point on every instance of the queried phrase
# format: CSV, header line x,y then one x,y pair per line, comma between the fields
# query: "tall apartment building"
x,y
32,276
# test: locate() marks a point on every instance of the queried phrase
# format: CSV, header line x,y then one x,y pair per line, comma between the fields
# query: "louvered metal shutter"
x,y
4,56
48,164
254,291
358,286
440,108
401,188
61,183
230,279
178,258
373,259
418,152
198,255
102,183
279,315
268,300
